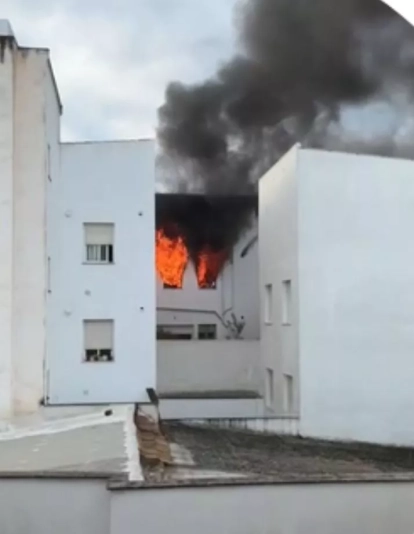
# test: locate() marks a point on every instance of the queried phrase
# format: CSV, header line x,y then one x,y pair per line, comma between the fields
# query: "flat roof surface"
x,y
91,443
205,455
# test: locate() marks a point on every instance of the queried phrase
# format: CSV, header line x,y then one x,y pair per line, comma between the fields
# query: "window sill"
x,y
98,361
97,263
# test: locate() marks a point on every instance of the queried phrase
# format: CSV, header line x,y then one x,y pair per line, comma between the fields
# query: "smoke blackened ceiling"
x,y
304,68
215,222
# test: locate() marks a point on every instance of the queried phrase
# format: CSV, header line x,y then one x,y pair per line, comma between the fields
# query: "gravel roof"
x,y
219,454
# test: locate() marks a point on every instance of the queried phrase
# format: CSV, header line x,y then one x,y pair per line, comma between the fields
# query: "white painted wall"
x,y
86,506
37,124
109,182
28,106
6,221
237,289
345,229
208,367
49,506
366,508
278,231
356,298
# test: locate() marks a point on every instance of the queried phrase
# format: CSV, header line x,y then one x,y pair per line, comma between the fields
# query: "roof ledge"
x,y
6,29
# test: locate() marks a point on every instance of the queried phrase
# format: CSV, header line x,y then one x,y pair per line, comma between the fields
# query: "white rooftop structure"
x,y
6,29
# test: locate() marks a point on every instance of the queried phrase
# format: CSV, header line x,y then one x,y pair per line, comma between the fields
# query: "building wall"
x,y
278,231
6,220
109,182
36,125
208,366
356,297
366,508
81,505
28,103
236,291
49,506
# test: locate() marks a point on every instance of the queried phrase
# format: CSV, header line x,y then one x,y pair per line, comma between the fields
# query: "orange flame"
x,y
209,265
171,259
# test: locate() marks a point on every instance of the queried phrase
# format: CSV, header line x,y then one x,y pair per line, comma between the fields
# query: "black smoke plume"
x,y
204,221
336,74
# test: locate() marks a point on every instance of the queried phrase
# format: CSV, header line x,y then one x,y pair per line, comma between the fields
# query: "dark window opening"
x,y
176,332
99,355
207,331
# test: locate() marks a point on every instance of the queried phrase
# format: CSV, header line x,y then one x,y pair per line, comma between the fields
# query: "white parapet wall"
x,y
197,367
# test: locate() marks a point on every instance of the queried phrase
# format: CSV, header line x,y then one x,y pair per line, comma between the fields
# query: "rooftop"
x,y
78,443
6,29
207,455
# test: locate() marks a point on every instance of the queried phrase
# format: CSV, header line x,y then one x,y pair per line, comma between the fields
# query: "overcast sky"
x,y
112,59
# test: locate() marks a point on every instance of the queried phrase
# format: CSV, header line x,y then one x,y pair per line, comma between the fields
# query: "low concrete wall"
x,y
208,366
39,506
36,506
363,508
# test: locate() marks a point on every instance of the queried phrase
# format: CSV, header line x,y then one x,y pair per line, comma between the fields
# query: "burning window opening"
x,y
209,266
200,228
171,259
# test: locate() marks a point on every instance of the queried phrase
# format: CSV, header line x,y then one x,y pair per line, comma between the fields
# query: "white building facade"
x,y
336,291
101,294
77,280
29,159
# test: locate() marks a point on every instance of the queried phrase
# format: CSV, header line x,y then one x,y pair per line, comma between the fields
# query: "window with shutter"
x,y
98,341
99,243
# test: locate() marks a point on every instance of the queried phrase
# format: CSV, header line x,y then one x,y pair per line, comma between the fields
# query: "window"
x,y
269,388
207,331
98,341
288,394
99,243
286,301
268,304
175,332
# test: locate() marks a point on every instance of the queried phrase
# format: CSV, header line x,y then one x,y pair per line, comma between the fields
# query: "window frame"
x,y
106,250
99,354
207,337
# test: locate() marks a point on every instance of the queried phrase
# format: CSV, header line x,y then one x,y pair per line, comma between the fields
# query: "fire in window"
x,y
171,258
208,267
98,341
99,243
207,331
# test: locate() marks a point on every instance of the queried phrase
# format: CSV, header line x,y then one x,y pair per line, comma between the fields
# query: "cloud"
x,y
113,60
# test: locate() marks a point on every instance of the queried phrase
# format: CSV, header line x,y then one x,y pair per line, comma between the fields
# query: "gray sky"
x,y
113,58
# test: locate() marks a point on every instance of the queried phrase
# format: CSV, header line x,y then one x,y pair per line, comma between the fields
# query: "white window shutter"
x,y
99,234
98,334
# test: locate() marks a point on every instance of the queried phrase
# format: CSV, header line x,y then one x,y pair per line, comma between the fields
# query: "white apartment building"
x,y
336,262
